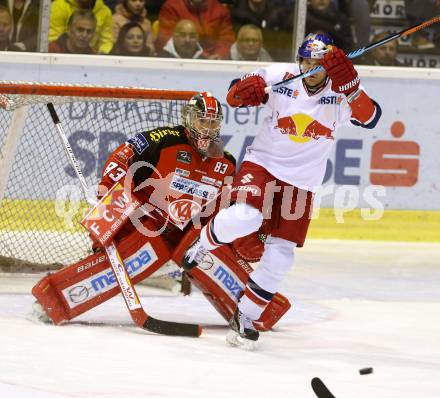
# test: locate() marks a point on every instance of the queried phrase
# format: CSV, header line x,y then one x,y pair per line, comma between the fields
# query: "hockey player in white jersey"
x,y
284,166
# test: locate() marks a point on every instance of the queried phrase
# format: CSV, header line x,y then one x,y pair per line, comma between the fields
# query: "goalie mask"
x,y
202,117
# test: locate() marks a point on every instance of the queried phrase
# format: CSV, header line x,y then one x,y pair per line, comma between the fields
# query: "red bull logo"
x,y
302,128
313,46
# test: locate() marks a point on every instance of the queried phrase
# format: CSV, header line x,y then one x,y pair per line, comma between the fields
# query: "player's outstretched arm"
x,y
345,80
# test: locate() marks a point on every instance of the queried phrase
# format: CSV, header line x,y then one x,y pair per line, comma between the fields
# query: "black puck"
x,y
365,371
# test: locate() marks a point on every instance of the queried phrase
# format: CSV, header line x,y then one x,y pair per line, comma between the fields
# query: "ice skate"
x,y
194,255
243,333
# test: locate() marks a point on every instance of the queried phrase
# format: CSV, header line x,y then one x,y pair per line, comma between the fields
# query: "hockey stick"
x,y
131,298
359,52
321,389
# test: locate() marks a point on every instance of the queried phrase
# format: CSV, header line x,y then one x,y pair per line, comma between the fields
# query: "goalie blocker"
x,y
80,287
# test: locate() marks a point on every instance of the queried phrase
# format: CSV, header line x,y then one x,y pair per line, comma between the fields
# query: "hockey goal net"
x,y
41,202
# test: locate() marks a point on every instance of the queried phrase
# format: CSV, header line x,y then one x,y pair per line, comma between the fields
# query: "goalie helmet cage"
x,y
41,202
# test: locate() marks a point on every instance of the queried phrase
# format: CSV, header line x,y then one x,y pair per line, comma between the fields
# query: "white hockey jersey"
x,y
294,143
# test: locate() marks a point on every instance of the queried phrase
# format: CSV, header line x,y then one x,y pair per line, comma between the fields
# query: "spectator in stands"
x,y
134,11
384,55
213,22
249,45
417,13
358,12
184,43
322,15
132,41
77,40
275,21
262,13
5,31
111,4
61,10
153,7
228,3
253,12
25,22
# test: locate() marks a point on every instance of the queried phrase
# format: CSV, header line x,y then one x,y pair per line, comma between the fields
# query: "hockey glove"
x,y
341,71
249,91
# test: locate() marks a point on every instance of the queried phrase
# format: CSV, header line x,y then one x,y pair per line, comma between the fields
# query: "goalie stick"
x,y
359,52
131,298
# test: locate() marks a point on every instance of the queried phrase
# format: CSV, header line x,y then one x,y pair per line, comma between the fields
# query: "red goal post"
x,y
40,198
89,91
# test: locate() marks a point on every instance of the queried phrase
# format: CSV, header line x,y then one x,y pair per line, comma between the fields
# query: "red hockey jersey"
x,y
166,172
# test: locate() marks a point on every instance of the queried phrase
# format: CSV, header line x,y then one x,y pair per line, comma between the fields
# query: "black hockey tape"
x,y
53,113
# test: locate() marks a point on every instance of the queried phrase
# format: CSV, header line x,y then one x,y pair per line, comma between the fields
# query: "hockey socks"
x,y
208,238
231,223
254,300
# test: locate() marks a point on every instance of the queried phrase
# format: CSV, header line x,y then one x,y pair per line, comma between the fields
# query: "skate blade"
x,y
234,339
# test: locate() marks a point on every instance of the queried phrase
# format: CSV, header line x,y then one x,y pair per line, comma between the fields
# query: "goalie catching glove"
x,y
340,70
249,91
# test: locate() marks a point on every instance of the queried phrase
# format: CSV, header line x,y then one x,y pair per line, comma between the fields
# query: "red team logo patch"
x,y
183,209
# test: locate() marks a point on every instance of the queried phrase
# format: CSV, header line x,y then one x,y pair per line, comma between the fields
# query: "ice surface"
x,y
356,304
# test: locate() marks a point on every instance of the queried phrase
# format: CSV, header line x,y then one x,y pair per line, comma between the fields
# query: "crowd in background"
x,y
249,30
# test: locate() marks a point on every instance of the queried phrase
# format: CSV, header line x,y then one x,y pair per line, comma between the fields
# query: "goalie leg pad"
x,y
50,299
273,312
77,288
